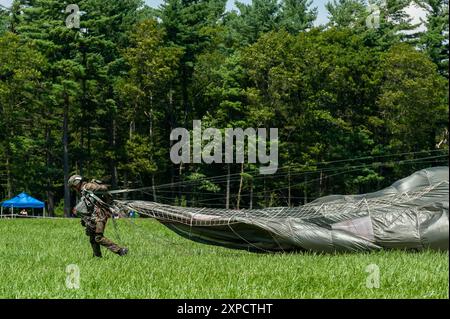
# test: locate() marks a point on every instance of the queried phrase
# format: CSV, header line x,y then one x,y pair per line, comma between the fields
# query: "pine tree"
x,y
20,72
147,90
346,13
297,16
435,39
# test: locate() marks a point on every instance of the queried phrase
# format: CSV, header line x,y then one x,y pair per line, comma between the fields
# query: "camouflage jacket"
x,y
93,204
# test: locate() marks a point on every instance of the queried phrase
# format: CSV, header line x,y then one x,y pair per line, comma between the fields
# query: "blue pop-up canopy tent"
x,y
23,200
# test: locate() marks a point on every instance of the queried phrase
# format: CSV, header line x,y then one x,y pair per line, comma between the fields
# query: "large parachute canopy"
x,y
410,214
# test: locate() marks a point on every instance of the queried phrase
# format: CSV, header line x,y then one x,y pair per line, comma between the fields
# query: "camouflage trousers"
x,y
95,229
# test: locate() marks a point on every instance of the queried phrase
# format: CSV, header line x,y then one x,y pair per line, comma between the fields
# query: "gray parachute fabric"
x,y
410,214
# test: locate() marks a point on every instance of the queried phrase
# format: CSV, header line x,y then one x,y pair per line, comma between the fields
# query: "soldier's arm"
x,y
96,188
100,190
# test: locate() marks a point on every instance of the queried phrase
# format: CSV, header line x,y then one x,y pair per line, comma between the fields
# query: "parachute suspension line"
x,y
302,227
306,182
192,219
272,234
333,209
222,178
153,238
179,246
148,236
245,240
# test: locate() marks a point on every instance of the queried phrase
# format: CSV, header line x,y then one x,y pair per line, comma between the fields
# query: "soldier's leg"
x,y
95,246
102,240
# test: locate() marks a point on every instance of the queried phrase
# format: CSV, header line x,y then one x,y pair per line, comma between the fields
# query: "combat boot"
x,y
123,251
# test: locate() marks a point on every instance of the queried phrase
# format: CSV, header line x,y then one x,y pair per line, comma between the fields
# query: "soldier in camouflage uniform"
x,y
94,210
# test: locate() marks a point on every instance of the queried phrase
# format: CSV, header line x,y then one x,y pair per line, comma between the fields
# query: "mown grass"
x,y
34,255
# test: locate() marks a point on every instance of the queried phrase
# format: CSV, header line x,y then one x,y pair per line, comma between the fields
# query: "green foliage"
x,y
4,17
139,154
412,91
262,16
347,13
435,39
59,209
296,15
131,74
20,75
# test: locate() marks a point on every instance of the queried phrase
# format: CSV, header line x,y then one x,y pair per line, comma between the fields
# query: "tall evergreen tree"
x,y
297,15
147,90
435,39
83,65
256,18
20,75
346,13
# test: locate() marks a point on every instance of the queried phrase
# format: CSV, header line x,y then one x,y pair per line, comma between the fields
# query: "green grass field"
x,y
34,255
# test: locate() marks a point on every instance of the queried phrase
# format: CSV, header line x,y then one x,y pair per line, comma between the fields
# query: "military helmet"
x,y
75,180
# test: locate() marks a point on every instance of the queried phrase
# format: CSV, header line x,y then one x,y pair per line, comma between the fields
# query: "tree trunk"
x,y
66,156
113,166
305,191
289,187
171,143
50,194
8,174
153,188
150,119
50,203
89,149
185,94
81,168
227,200
180,178
251,194
84,108
320,183
132,128
125,181
172,180
241,182
265,192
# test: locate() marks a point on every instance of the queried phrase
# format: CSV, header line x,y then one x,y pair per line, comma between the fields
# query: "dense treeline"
x,y
356,107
